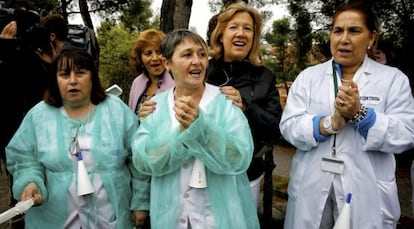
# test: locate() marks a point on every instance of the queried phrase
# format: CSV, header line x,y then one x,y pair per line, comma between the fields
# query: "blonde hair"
x,y
222,21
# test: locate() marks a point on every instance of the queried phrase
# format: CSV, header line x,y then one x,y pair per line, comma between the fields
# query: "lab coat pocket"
x,y
296,177
390,204
318,105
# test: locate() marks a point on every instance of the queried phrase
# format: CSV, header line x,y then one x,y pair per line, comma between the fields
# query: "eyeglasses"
x,y
74,144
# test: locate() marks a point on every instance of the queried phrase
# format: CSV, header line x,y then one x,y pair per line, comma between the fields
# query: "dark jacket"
x,y
24,79
257,86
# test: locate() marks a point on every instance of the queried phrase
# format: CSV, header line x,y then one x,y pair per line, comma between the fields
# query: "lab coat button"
x,y
186,195
182,220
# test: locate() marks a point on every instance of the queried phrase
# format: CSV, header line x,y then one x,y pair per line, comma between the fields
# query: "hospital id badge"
x,y
332,164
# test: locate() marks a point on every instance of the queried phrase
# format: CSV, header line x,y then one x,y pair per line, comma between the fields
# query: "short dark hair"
x,y
176,37
362,7
212,23
73,58
55,23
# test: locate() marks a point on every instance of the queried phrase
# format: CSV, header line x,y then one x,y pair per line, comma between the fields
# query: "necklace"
x,y
146,95
228,78
74,144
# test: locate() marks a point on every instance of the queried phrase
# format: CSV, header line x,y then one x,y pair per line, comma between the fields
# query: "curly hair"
x,y
145,38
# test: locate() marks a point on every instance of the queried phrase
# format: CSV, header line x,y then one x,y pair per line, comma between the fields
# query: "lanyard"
x,y
335,68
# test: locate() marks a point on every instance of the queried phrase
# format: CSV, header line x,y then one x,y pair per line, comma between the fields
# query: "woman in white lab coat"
x,y
347,118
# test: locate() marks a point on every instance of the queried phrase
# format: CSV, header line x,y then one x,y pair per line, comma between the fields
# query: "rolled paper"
x,y
198,175
20,208
84,183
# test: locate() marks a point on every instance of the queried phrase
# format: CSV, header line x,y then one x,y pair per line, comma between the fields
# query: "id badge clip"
x,y
332,164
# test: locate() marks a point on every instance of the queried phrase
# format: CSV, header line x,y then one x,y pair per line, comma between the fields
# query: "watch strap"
x,y
329,128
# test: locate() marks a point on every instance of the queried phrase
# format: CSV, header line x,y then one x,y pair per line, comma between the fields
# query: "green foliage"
x,y
303,30
280,60
115,43
134,14
292,43
396,32
321,40
137,14
108,7
302,39
218,5
281,31
46,5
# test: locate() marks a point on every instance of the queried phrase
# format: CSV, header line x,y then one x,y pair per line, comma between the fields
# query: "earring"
x,y
369,47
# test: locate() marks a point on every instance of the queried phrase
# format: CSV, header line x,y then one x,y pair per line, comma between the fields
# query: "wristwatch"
x,y
327,125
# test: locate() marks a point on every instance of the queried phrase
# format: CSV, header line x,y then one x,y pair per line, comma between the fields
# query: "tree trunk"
x,y
86,17
167,16
64,10
175,14
182,13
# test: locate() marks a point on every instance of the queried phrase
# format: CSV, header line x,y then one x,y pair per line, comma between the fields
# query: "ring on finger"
x,y
342,103
184,115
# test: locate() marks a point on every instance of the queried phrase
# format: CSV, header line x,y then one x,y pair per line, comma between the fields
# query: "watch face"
x,y
326,123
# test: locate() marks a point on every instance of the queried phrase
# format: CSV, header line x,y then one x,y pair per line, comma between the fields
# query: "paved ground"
x,y
282,157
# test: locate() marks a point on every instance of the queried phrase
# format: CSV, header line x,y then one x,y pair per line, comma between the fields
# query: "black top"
x,y
24,79
257,86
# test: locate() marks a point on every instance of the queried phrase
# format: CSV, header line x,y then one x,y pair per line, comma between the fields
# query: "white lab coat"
x,y
369,172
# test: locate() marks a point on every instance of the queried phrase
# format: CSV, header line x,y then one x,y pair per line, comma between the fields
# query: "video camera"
x,y
28,32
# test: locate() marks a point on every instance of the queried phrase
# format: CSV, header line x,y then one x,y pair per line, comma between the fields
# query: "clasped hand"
x,y
347,104
186,111
148,106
